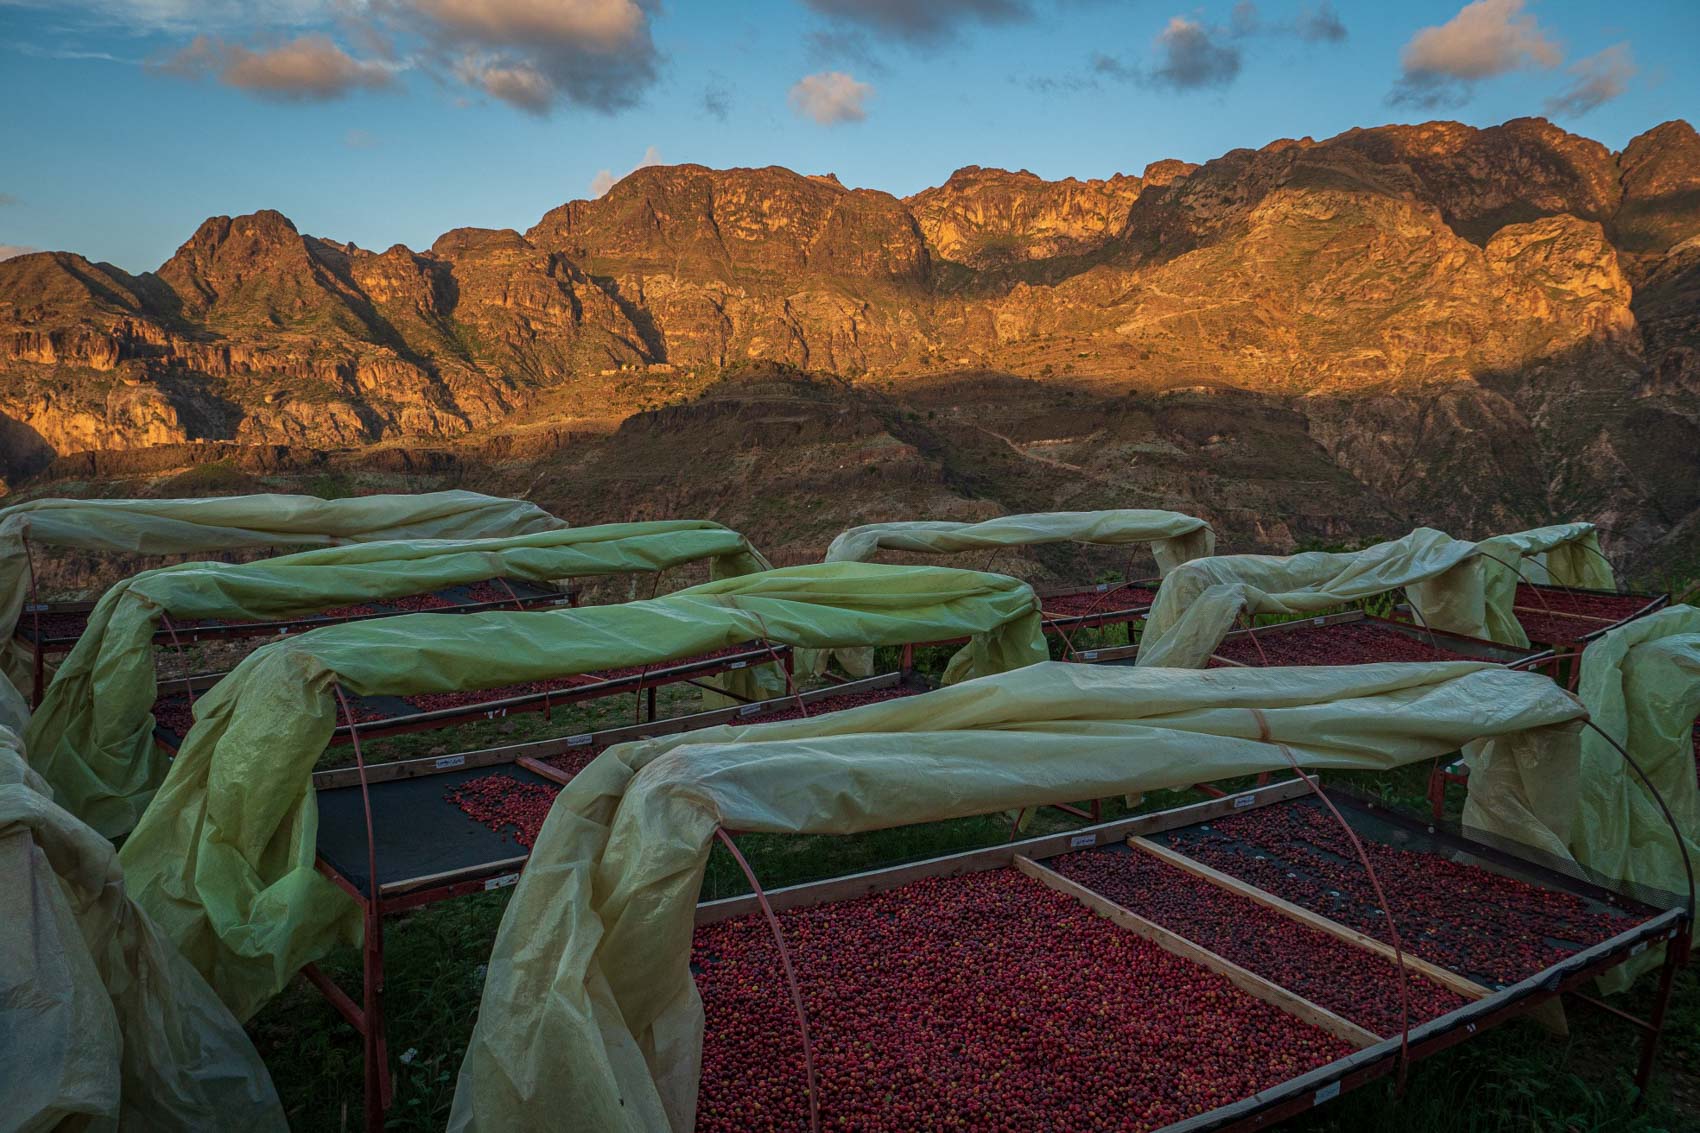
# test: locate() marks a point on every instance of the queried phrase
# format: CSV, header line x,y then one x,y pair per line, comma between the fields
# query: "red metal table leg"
x,y
1656,1024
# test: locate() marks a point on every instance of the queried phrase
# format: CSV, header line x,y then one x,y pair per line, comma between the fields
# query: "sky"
x,y
125,123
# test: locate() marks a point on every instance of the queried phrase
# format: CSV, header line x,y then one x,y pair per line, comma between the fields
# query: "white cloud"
x,y
1191,56
1440,65
530,53
922,22
308,67
605,179
830,97
1600,78
535,55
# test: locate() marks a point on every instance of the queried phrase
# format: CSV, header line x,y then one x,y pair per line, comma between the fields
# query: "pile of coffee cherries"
x,y
1484,925
346,613
1342,643
464,698
830,704
505,804
1558,601
979,1002
1105,602
420,603
1354,984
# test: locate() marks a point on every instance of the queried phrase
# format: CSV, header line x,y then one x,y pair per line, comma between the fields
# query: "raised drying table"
x,y
1047,1038
398,835
50,629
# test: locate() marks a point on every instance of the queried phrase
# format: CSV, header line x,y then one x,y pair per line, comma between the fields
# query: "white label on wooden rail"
x,y
1103,586
450,761
1245,801
501,882
1090,655
1080,840
737,664
1319,621
1638,949
749,710
579,741
36,608
1328,1093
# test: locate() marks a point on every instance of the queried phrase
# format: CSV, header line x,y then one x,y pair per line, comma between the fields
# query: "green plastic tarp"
x,y
223,857
1174,538
92,737
233,523
1641,684
103,1026
1199,601
1565,554
589,1007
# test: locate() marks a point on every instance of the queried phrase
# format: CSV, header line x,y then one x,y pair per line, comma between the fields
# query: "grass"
x,y
1516,1079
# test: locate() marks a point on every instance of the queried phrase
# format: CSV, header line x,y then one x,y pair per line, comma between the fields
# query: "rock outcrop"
x,y
1479,327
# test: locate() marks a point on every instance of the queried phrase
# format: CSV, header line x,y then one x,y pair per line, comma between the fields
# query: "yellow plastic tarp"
x,y
1174,538
1565,554
1641,686
92,737
589,1007
232,523
103,1026
1199,601
223,857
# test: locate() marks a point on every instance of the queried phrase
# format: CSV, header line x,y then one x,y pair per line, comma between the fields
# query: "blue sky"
x,y
127,122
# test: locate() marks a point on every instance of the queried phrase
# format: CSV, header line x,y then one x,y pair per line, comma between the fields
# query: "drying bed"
x,y
61,625
1555,615
988,1001
930,987
1102,604
787,708
443,820
1351,641
1489,925
1352,983
390,715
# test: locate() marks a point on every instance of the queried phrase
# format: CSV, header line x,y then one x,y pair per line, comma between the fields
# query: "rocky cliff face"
x,y
990,218
1476,327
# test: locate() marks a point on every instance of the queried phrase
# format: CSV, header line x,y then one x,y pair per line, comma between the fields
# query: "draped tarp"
x,y
1565,554
92,737
589,1007
1641,684
103,1026
1174,538
223,857
232,523
1199,601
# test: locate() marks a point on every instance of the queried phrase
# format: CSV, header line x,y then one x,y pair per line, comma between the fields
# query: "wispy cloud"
x,y
605,179
1599,78
920,23
310,67
717,99
533,54
7,251
7,200
1441,65
831,98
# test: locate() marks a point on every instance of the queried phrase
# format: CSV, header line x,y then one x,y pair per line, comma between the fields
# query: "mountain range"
x,y
1310,342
